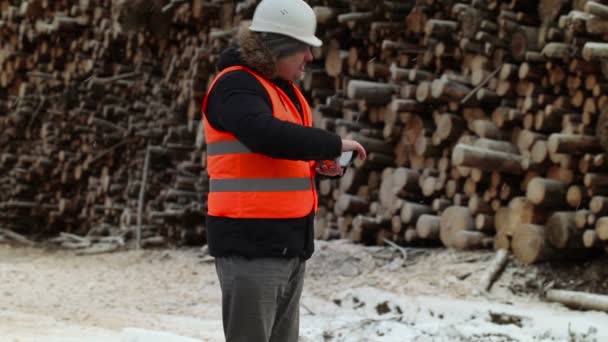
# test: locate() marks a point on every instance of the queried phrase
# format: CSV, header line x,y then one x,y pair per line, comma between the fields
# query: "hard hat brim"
x,y
310,40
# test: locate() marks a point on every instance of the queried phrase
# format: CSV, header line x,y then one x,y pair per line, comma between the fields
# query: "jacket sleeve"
x,y
239,104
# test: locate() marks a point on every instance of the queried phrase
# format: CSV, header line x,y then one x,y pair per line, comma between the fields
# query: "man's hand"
x,y
329,168
351,145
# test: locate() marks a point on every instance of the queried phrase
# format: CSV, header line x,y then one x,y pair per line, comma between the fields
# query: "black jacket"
x,y
240,105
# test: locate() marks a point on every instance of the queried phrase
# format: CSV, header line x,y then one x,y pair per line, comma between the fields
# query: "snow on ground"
x,y
352,293
423,318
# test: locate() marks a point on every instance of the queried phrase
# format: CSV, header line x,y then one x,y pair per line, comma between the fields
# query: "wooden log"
x,y
417,75
399,74
496,145
596,25
591,240
470,240
484,223
335,59
411,236
440,204
587,164
486,129
580,218
365,229
600,161
429,186
599,205
562,232
428,227
488,160
470,21
374,93
457,229
601,228
508,71
425,147
502,242
405,105
99,248
350,204
527,138
372,145
405,180
578,300
573,144
547,192
529,244
448,90
530,72
519,211
449,127
602,128
595,51
344,225
423,92
410,212
352,18
597,8
378,71
595,181
16,237
556,50
478,206
396,225
440,28
576,196
487,97
494,269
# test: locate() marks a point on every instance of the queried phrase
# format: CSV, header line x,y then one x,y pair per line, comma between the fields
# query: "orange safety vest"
x,y
243,184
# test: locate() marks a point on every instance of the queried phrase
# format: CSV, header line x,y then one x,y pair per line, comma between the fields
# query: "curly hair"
x,y
262,50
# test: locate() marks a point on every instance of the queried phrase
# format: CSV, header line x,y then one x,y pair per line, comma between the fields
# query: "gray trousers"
x,y
261,298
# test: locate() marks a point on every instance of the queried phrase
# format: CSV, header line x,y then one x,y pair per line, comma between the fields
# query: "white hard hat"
x,y
293,18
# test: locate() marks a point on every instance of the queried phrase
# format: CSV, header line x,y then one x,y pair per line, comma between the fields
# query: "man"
x,y
261,159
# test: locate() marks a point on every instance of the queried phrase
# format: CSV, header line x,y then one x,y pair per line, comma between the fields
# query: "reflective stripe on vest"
x,y
259,184
226,147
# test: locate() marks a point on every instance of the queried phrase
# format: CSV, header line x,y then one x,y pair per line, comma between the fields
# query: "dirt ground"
x,y
352,293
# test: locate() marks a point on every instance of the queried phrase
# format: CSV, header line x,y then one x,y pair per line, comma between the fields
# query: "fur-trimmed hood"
x,y
249,52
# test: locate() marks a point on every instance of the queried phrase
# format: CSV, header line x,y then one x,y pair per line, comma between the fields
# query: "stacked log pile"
x,y
99,123
479,117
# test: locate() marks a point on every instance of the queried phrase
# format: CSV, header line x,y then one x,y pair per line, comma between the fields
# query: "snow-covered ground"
x,y
351,293
424,318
